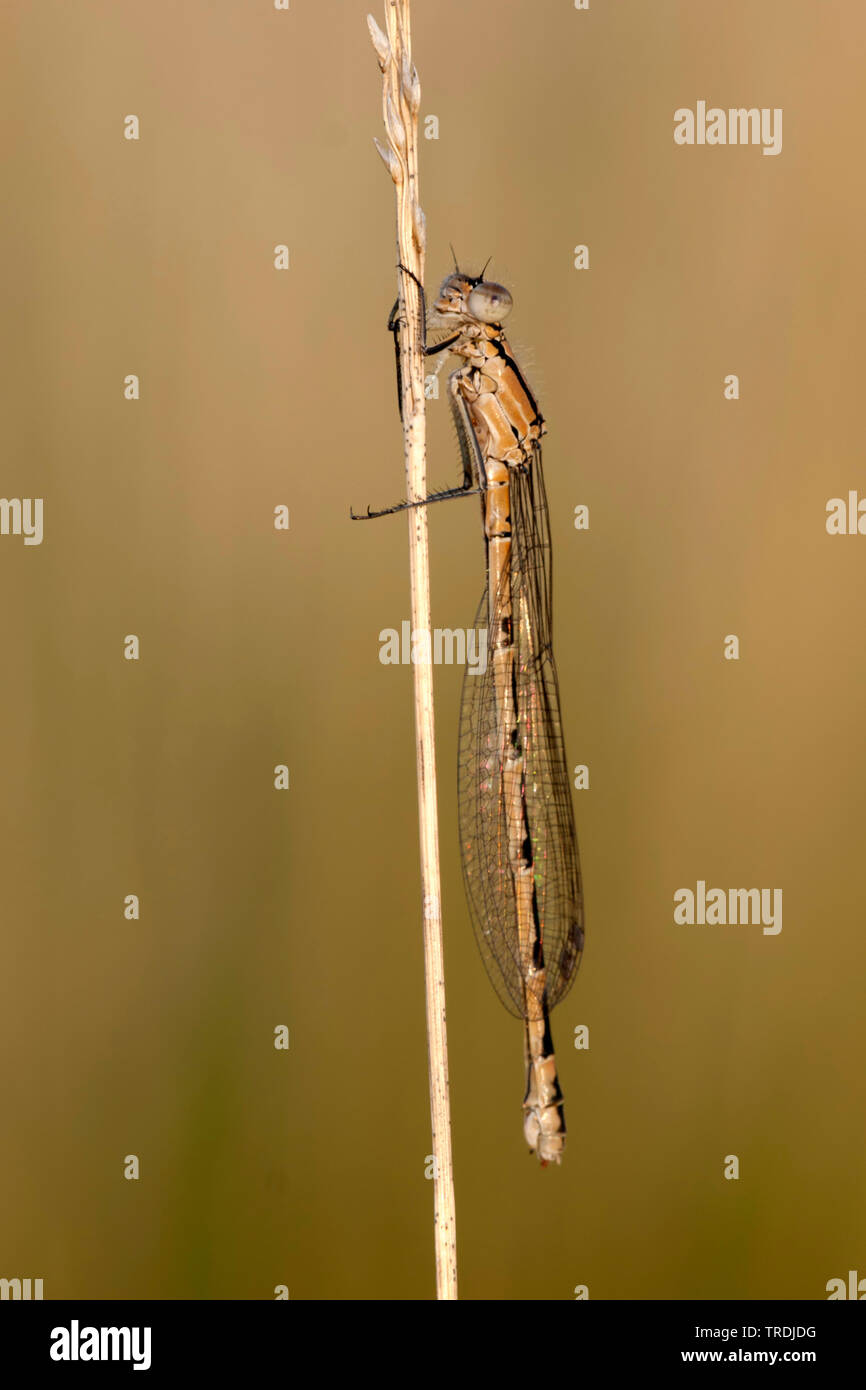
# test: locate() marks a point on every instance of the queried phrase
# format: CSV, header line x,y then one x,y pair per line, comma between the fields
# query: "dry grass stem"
x,y
401,98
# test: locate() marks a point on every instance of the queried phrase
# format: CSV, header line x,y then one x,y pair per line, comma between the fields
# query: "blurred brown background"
x,y
259,908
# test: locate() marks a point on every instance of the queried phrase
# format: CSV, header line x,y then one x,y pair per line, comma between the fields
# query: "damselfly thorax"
x,y
518,842
502,410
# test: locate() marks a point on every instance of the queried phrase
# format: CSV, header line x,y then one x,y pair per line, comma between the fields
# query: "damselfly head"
x,y
453,294
469,297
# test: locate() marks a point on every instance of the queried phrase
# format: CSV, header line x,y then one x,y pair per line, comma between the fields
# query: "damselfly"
x,y
519,848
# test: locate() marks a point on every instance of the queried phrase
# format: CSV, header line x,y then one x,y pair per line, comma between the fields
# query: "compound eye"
x,y
489,302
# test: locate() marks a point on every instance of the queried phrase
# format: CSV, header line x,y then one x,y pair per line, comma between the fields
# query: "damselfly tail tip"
x,y
545,1134
546,1162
